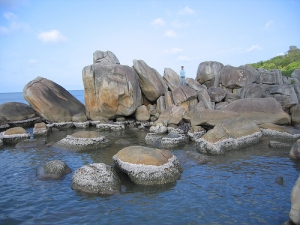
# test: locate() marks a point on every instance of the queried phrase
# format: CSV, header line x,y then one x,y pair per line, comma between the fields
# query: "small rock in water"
x,y
277,144
279,180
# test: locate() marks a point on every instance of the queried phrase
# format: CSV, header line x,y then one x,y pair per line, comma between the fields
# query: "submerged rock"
x,y
55,169
96,178
148,166
14,135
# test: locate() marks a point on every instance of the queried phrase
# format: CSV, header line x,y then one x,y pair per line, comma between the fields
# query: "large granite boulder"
x,y
254,72
210,117
269,77
216,94
171,78
295,203
233,133
236,77
105,57
296,74
172,115
151,82
295,114
253,91
183,93
55,169
209,70
96,178
148,166
195,84
142,113
204,97
110,90
260,110
51,101
18,114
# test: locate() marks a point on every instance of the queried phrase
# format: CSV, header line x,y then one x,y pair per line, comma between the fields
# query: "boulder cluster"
x,y
223,108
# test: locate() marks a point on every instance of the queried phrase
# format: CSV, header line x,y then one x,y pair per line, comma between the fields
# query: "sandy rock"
x,y
142,113
14,135
40,129
148,166
96,178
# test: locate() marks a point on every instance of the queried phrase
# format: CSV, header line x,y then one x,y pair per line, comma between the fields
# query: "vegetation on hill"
x,y
287,63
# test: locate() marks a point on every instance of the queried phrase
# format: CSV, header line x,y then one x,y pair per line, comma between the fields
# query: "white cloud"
x,y
171,33
158,22
269,24
52,36
183,58
173,50
186,10
33,61
178,24
253,47
13,25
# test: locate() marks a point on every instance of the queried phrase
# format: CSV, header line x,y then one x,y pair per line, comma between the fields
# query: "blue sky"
x,y
56,39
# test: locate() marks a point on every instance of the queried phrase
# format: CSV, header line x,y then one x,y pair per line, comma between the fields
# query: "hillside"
x,y
287,63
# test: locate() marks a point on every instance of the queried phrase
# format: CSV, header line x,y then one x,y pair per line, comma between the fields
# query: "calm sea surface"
x,y
237,188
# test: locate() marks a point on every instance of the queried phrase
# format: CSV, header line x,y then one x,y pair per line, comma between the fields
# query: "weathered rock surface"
x,y
18,114
295,150
216,94
148,166
295,114
82,140
55,169
195,84
233,133
110,91
142,113
3,123
14,135
296,74
151,82
210,117
40,129
172,115
51,101
295,203
105,57
209,70
96,178
161,104
260,110
171,78
280,132
270,77
183,93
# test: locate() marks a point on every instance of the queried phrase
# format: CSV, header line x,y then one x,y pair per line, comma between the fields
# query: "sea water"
x,y
236,188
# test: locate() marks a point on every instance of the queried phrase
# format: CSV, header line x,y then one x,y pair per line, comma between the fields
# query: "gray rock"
x,y
108,126
279,180
204,97
105,57
171,78
40,129
195,84
151,82
295,203
110,91
142,113
172,115
216,94
14,135
269,77
55,169
151,109
296,75
295,114
253,91
3,123
161,104
183,93
277,144
51,101
280,132
169,101
31,143
295,150
209,71
96,178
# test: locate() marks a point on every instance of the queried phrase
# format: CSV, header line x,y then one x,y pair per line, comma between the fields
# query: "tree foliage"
x,y
287,63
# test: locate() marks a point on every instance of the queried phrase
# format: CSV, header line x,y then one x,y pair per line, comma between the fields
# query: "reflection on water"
x,y
237,188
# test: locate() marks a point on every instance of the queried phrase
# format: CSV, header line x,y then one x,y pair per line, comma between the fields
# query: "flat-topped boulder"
x,y
151,82
111,91
148,166
110,126
82,140
54,103
18,114
14,135
40,129
278,131
232,133
55,169
96,178
183,93
260,110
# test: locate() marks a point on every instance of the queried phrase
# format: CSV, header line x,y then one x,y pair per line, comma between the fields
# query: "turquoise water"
x,y
237,188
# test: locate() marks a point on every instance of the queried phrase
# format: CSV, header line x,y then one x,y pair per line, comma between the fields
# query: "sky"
x,y
56,39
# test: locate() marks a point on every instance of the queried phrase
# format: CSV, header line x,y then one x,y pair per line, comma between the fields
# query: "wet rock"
x,y
122,142
3,123
60,126
196,132
55,169
280,132
159,129
108,126
18,114
14,135
295,150
295,203
31,143
197,157
82,140
230,134
40,129
51,101
172,140
279,180
96,178
148,166
277,144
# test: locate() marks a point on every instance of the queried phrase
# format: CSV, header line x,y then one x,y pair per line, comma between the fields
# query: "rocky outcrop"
x,y
18,114
151,82
171,78
148,166
105,57
55,169
96,178
110,91
260,110
216,94
233,133
51,101
295,203
209,70
269,77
